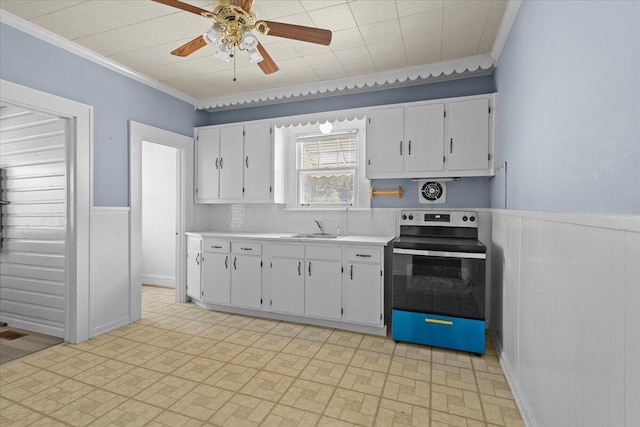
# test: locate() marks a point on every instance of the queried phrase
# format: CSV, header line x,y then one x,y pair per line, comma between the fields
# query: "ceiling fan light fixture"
x,y
249,41
254,56
212,36
223,53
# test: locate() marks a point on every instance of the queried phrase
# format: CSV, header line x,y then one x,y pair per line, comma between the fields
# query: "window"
x,y
327,169
321,171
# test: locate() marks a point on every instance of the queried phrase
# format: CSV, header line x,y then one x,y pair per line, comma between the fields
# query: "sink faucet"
x,y
320,224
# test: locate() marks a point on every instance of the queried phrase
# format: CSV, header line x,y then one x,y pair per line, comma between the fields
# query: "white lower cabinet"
x,y
364,294
330,282
364,285
287,285
216,278
216,271
193,267
323,282
246,275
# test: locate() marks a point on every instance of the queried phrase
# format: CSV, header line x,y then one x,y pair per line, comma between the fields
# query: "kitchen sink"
x,y
315,236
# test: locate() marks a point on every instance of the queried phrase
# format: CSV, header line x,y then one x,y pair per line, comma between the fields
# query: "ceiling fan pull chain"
x,y
234,63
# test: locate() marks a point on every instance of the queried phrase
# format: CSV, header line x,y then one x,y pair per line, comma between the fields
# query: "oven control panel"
x,y
427,218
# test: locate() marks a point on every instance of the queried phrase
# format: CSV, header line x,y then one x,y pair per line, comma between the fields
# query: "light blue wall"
x,y
468,192
116,99
568,84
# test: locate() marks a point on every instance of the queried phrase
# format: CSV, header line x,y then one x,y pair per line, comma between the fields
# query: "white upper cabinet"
x,y
468,135
424,132
432,139
257,161
208,164
234,163
385,142
231,153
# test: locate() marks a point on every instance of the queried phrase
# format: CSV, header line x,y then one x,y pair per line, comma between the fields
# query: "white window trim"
x,y
363,201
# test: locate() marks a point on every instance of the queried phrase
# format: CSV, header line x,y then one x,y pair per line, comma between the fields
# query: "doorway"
x,y
69,279
33,184
160,194
140,135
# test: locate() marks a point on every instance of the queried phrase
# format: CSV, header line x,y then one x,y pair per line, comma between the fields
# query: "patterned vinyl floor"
x,y
182,365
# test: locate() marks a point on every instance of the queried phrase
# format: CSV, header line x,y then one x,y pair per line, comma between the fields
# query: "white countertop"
x,y
289,237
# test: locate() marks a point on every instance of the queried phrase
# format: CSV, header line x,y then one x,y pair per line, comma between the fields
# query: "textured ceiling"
x,y
368,37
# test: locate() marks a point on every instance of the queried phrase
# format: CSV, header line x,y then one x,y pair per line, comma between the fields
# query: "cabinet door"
x,y
385,129
216,278
193,274
246,281
231,162
257,161
468,135
424,135
364,300
208,164
287,285
323,289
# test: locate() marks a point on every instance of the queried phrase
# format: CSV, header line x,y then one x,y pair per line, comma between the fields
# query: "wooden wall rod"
x,y
374,193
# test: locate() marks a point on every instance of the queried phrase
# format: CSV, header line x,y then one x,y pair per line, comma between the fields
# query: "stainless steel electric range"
x,y
438,288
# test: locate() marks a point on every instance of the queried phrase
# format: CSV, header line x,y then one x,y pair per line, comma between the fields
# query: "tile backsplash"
x,y
265,218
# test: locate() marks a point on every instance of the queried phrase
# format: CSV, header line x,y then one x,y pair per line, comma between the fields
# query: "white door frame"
x,y
139,132
79,167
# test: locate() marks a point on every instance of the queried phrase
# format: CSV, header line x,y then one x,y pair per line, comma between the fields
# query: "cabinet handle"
x,y
309,268
439,322
216,247
226,262
299,264
234,262
401,148
409,147
246,161
220,162
364,255
198,259
451,146
351,271
217,159
246,249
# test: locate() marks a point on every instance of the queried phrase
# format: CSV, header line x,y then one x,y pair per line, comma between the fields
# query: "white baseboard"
x,y
103,329
158,280
513,384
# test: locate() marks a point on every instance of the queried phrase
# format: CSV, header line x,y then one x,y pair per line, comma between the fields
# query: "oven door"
x,y
437,282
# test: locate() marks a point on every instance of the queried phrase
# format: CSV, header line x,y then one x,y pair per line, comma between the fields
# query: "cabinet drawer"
x,y
194,243
214,245
248,248
323,252
440,331
363,255
287,251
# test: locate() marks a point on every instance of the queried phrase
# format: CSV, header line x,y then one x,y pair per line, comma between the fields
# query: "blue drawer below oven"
x,y
438,331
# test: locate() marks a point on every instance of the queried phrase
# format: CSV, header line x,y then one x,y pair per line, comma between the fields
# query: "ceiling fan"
x,y
233,23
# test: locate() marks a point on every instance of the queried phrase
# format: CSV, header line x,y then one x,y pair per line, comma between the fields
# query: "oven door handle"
x,y
442,254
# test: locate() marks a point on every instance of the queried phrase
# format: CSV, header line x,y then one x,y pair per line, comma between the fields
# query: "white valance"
x,y
475,65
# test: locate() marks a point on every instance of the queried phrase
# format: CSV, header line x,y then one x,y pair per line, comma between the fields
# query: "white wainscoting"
x,y
110,287
565,315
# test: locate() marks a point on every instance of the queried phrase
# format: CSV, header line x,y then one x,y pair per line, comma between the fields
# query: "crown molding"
x,y
58,41
505,27
447,70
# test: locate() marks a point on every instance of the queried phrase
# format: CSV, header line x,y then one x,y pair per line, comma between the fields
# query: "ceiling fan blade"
x,y
183,6
267,65
244,4
299,32
190,47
